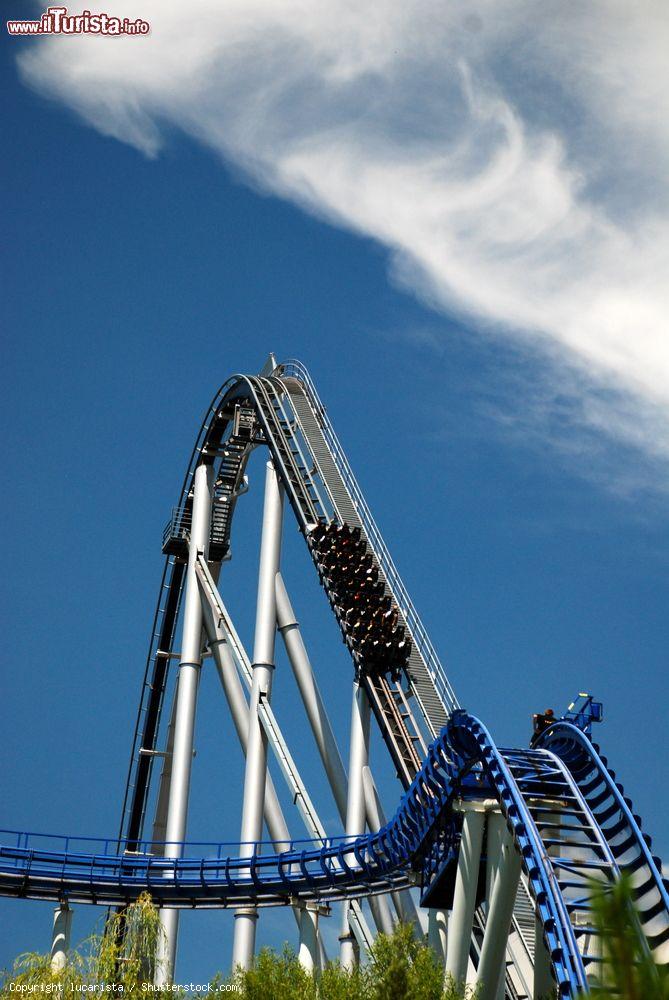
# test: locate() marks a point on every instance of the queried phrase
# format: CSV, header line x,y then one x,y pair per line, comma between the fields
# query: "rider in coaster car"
x,y
541,721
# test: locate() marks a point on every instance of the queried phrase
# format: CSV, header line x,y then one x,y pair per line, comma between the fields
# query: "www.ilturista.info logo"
x,y
56,21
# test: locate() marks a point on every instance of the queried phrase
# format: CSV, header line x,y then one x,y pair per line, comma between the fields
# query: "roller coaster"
x,y
502,844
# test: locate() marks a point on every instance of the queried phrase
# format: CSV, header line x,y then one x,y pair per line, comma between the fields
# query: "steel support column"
x,y
500,911
308,951
402,901
320,725
437,933
311,696
184,719
495,833
544,984
159,830
263,667
464,897
355,805
239,710
381,914
60,938
222,644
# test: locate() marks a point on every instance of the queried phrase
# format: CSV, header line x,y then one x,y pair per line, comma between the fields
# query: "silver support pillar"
x,y
60,937
184,719
227,651
263,666
437,933
402,901
544,984
239,710
464,897
381,914
158,835
234,692
320,725
308,952
311,696
355,805
160,814
495,833
500,911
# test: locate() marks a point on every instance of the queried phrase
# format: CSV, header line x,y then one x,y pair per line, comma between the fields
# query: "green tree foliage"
x,y
126,953
399,967
276,975
123,955
32,973
628,971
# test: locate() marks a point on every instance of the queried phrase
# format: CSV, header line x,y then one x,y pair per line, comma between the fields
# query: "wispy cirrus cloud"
x,y
511,156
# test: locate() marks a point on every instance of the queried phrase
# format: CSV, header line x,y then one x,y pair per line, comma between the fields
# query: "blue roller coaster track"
x,y
568,818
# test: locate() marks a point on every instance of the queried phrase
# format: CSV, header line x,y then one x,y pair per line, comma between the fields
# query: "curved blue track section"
x,y
621,828
421,838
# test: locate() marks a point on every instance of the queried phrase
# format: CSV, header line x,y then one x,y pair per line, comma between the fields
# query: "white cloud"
x,y
511,155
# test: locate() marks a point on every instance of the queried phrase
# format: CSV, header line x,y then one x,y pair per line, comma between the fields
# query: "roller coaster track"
x,y
569,820
536,790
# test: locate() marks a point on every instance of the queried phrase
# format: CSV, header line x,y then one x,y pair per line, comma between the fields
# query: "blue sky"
x,y
517,471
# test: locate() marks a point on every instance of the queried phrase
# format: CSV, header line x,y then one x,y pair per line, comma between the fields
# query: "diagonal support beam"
x,y
228,650
500,911
226,644
402,901
321,727
311,697
276,823
255,773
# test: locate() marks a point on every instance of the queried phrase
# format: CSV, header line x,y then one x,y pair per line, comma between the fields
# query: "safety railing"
x,y
177,529
186,850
